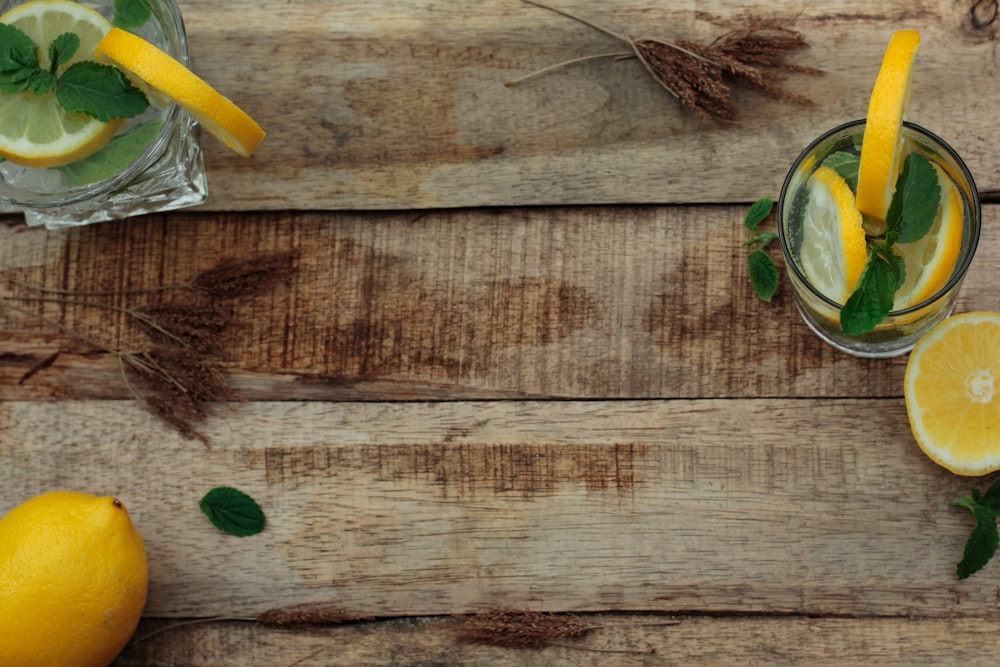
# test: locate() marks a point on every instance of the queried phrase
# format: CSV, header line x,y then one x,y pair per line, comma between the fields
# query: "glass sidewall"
x,y
899,332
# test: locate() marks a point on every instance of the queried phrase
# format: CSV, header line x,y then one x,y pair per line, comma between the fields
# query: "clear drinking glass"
x,y
902,328
167,173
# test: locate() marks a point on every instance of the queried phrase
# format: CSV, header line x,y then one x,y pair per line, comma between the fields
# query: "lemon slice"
x,y
952,390
151,68
931,260
882,148
35,131
833,252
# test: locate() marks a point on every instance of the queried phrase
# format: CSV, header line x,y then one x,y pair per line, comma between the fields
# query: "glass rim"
x,y
153,151
958,273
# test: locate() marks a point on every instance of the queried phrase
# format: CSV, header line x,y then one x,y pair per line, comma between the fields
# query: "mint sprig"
x,y
763,271
984,538
911,215
99,91
130,14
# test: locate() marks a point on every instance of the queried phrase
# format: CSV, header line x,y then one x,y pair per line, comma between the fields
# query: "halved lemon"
x,y
882,148
931,260
833,252
952,390
35,131
151,68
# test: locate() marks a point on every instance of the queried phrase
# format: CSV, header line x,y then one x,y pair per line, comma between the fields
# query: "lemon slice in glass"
x,y
154,70
931,260
833,252
35,131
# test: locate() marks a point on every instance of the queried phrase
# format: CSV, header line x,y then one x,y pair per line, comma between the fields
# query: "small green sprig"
x,y
763,272
985,536
100,91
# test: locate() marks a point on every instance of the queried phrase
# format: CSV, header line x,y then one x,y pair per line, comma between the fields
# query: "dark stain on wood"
x,y
467,471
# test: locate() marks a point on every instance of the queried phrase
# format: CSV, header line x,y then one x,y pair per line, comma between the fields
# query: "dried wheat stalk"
x,y
702,77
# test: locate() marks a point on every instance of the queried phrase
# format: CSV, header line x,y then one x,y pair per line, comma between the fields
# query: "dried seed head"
x,y
198,328
240,277
309,613
519,629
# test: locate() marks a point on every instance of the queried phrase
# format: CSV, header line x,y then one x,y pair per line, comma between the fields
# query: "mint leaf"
x,y
915,203
982,542
758,213
763,274
872,299
42,82
130,14
114,158
62,49
847,165
18,59
232,511
101,91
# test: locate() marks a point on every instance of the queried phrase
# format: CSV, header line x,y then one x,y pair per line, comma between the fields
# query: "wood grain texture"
x,y
802,506
694,642
637,302
402,104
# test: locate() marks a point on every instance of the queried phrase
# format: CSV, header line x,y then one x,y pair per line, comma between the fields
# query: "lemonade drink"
x,y
934,265
153,162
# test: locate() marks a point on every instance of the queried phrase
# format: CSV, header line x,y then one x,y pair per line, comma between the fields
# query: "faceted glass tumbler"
x,y
168,174
899,332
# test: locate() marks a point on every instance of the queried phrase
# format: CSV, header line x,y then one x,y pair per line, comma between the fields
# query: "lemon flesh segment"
x,y
930,261
151,68
73,581
882,148
952,391
833,252
35,131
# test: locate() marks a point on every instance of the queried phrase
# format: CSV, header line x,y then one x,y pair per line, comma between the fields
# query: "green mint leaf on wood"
x,y
130,14
100,91
872,299
232,511
847,165
62,49
763,274
984,538
915,204
758,213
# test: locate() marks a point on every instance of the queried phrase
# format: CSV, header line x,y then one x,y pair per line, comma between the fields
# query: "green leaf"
x,y
847,165
43,82
62,49
916,200
18,59
991,498
872,299
761,239
232,511
114,158
982,542
130,14
758,213
763,274
101,91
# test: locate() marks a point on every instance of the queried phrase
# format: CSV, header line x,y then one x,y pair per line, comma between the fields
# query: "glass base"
x,y
177,179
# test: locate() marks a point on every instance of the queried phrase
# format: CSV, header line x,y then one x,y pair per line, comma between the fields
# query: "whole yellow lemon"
x,y
73,577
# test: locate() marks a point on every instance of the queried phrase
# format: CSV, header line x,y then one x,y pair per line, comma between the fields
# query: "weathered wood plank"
x,y
694,642
758,506
402,104
636,302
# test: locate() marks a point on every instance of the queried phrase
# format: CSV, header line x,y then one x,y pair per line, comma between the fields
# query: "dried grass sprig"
x,y
513,628
309,613
701,76
177,376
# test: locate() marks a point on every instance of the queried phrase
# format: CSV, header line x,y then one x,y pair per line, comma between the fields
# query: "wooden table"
x,y
519,364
